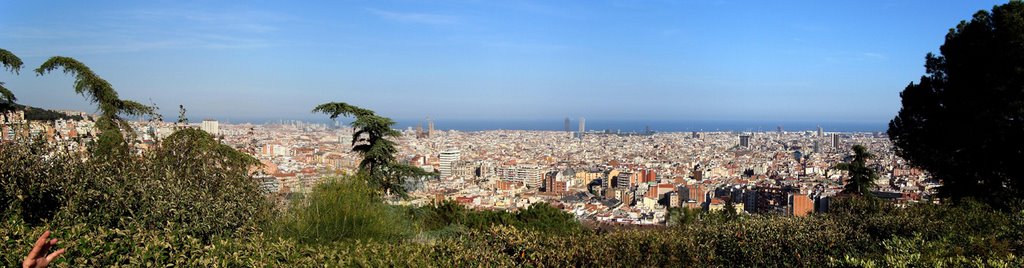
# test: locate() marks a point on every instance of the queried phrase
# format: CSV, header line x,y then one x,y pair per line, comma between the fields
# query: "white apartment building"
x,y
447,162
210,126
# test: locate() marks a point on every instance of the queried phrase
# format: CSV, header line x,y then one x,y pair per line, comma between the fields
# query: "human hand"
x,y
38,257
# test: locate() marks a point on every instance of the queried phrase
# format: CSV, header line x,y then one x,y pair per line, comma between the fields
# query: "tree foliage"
x,y
371,139
182,120
963,120
98,91
540,217
729,209
682,216
147,214
12,64
190,184
193,150
38,114
862,178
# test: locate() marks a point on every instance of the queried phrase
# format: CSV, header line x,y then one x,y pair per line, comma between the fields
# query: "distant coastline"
x,y
614,125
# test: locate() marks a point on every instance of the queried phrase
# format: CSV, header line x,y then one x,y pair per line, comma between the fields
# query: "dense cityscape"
x,y
512,133
606,176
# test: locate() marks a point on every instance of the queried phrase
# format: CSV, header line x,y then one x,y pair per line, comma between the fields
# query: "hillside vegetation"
x,y
147,211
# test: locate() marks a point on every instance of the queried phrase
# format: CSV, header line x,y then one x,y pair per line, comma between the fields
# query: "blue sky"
x,y
494,60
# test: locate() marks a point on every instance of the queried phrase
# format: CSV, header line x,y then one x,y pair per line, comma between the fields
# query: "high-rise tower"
x,y
448,159
430,127
568,127
583,126
744,140
210,126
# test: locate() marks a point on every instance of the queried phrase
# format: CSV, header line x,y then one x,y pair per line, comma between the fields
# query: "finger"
x,y
39,245
54,255
48,245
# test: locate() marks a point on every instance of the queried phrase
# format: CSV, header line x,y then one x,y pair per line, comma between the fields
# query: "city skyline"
x,y
718,61
505,133
637,126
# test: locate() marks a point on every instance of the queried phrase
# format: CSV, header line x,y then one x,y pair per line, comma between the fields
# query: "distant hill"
x,y
33,113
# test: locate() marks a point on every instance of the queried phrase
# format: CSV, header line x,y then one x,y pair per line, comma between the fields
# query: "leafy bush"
x,y
194,190
201,184
447,215
91,246
752,241
340,209
968,229
33,179
918,252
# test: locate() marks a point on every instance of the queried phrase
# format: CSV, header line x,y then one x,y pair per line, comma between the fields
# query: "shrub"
x,y
341,209
197,192
544,218
449,217
31,180
750,241
92,246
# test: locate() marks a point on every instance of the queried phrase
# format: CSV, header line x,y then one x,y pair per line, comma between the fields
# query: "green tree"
x,y
195,149
100,92
371,140
199,184
681,216
12,64
963,120
862,178
548,219
190,183
182,120
729,210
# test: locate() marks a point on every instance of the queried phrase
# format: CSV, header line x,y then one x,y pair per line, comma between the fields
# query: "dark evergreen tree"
x,y
182,120
964,119
12,64
729,209
111,141
862,178
371,140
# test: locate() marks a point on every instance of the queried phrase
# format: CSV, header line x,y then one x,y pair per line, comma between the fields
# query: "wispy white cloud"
x,y
146,45
242,21
155,29
33,33
414,17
